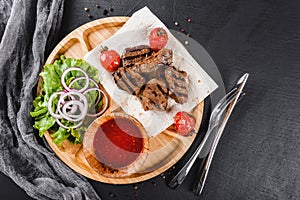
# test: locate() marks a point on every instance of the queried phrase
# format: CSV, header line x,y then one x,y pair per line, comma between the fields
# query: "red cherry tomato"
x,y
110,60
158,38
184,123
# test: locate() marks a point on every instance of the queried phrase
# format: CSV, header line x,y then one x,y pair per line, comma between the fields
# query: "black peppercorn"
x,y
105,12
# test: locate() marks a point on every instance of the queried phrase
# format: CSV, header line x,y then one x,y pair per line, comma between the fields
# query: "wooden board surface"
x,y
164,150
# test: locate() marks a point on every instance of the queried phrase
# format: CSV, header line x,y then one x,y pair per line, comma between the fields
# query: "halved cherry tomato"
x,y
184,123
110,59
158,38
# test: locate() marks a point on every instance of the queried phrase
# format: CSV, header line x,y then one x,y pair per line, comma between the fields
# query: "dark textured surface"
x,y
258,155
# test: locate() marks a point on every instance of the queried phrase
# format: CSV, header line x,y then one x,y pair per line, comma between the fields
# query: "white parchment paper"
x,y
135,32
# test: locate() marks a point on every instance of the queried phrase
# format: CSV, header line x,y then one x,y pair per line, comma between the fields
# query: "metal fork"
x,y
198,187
214,121
206,162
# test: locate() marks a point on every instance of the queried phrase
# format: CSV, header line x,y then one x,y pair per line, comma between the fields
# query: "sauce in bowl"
x,y
118,142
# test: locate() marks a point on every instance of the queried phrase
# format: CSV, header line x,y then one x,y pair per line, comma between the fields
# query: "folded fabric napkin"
x,y
26,27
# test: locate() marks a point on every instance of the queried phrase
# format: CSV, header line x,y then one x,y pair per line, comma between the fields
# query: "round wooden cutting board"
x,y
164,150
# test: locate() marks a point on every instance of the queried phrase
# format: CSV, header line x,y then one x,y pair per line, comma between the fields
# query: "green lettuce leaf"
x,y
51,83
60,135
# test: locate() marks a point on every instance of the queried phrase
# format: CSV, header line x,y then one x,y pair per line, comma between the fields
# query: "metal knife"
x,y
201,181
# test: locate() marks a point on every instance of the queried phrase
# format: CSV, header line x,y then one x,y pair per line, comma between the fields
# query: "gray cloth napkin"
x,y
25,29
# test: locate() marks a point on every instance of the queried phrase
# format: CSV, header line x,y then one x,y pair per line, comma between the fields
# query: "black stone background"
x,y
258,155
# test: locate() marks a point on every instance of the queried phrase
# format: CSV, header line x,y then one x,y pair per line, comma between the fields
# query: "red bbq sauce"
x,y
118,142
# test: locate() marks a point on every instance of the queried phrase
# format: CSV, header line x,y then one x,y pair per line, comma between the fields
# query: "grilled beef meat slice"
x,y
143,54
128,80
136,77
163,56
150,76
177,84
150,71
132,85
135,54
154,96
120,83
136,50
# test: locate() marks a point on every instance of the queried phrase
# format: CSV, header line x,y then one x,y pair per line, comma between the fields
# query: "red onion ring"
x,y
82,78
62,79
83,106
72,103
55,115
99,97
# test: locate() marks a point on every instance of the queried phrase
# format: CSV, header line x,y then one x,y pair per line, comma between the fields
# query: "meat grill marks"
x,y
150,76
149,71
177,84
135,54
163,56
154,95
139,55
133,79
129,80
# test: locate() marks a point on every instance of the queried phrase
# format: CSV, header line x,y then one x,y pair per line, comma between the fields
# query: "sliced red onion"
x,y
72,108
81,103
101,93
55,115
74,69
72,104
82,78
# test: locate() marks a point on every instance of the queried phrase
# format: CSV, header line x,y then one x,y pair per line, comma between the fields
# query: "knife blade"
x,y
240,86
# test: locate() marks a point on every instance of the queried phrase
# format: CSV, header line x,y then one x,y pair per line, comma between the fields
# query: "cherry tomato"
x,y
110,60
184,123
158,38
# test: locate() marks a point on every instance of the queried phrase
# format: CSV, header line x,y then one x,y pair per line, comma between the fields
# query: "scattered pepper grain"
x,y
135,187
189,20
98,6
176,23
90,16
86,9
105,12
111,9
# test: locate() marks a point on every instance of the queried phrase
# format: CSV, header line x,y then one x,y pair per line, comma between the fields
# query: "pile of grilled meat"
x,y
151,76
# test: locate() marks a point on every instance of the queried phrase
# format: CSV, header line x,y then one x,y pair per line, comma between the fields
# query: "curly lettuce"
x,y
51,74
